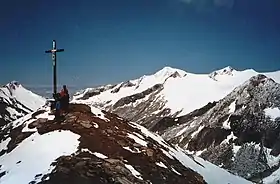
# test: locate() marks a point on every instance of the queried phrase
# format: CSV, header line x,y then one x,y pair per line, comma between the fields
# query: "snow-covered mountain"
x,y
240,132
93,146
16,101
168,92
196,111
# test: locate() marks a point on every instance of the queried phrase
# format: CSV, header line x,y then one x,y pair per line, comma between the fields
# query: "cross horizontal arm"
x,y
56,50
59,50
48,51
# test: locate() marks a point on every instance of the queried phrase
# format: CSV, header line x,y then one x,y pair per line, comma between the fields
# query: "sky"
x,y
109,41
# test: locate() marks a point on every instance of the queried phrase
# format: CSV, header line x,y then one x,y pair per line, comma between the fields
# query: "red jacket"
x,y
63,92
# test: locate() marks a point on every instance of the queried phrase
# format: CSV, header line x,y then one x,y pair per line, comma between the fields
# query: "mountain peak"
x,y
13,85
227,70
224,71
167,71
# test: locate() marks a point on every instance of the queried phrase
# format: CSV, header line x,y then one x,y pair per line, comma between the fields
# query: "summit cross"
x,y
54,50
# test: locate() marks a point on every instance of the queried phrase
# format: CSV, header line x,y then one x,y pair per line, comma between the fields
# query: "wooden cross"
x,y
54,51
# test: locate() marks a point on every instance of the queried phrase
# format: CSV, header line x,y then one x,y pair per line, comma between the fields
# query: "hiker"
x,y
57,106
64,95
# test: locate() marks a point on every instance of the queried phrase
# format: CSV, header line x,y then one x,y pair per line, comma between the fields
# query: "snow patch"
x,y
229,137
44,115
127,148
181,131
39,160
4,144
181,139
134,172
147,133
86,150
198,153
176,171
232,107
137,139
13,112
100,155
226,124
160,164
95,125
26,129
166,153
273,113
198,130
235,149
98,113
140,136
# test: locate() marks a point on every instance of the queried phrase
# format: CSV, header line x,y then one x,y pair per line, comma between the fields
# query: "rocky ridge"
x,y
107,149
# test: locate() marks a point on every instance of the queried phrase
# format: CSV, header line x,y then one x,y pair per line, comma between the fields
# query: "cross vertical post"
x,y
54,51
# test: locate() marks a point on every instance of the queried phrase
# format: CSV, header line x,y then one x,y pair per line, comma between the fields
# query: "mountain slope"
x,y
97,147
16,101
240,132
168,92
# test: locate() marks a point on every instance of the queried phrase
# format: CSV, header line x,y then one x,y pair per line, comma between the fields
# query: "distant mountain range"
x,y
229,117
48,91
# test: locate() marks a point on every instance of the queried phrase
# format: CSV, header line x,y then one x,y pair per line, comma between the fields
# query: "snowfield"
x,y
35,154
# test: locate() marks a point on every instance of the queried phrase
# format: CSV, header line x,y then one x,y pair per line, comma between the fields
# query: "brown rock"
x,y
80,164
85,124
110,131
121,142
150,152
37,123
89,174
123,180
112,161
64,170
137,145
71,119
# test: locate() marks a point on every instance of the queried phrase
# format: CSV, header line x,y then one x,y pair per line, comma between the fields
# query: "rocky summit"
x,y
88,145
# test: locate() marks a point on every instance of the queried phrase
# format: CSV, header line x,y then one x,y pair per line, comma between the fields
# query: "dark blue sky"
x,y
108,41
